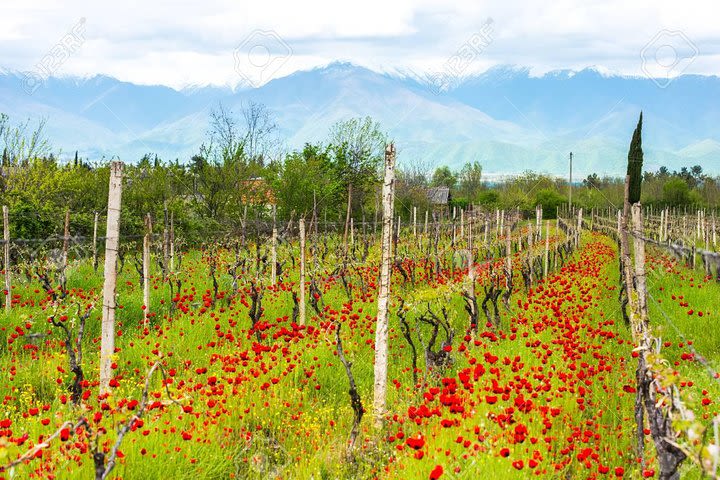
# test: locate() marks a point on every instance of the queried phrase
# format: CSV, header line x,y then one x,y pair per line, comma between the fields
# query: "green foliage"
x,y
225,184
305,177
444,177
471,181
676,192
459,202
411,191
358,151
488,198
550,201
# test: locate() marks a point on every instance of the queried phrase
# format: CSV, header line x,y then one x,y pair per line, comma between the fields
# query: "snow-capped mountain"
x,y
506,118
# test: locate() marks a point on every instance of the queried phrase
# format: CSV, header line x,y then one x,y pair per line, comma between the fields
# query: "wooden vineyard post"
x,y
112,241
453,230
706,232
6,250
472,305
352,231
557,218
172,242
427,215
462,224
347,215
377,209
662,222
146,268
273,251
414,221
530,239
313,218
94,247
579,227
397,235
508,267
639,248
383,303
301,306
166,241
66,239
547,248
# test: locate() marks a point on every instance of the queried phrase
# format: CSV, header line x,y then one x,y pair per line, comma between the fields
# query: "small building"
x,y
439,197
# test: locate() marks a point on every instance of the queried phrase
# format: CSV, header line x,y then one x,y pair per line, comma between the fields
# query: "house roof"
x,y
438,195
256,191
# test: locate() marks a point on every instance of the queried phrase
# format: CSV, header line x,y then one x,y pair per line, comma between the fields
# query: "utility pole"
x,y
570,184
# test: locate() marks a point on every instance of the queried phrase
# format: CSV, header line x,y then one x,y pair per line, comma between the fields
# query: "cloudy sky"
x,y
230,42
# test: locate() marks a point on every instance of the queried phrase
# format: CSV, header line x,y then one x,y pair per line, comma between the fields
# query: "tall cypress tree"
x,y
635,161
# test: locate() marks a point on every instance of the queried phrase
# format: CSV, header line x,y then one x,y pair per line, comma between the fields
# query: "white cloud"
x,y
176,43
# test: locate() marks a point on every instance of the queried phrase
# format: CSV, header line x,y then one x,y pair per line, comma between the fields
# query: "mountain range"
x,y
506,118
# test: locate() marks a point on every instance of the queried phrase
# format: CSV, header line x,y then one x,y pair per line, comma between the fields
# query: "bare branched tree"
x,y
260,130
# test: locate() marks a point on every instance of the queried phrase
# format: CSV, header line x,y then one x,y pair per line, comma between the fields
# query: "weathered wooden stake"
x,y
95,229
112,241
547,248
381,328
273,251
66,239
146,267
301,309
414,221
172,242
166,240
579,227
6,249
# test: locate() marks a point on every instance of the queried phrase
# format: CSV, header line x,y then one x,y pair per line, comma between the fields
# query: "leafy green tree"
x,y
444,177
676,192
470,181
550,199
358,147
411,191
303,178
489,199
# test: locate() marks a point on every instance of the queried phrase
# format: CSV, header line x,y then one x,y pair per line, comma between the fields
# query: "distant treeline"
x,y
236,178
